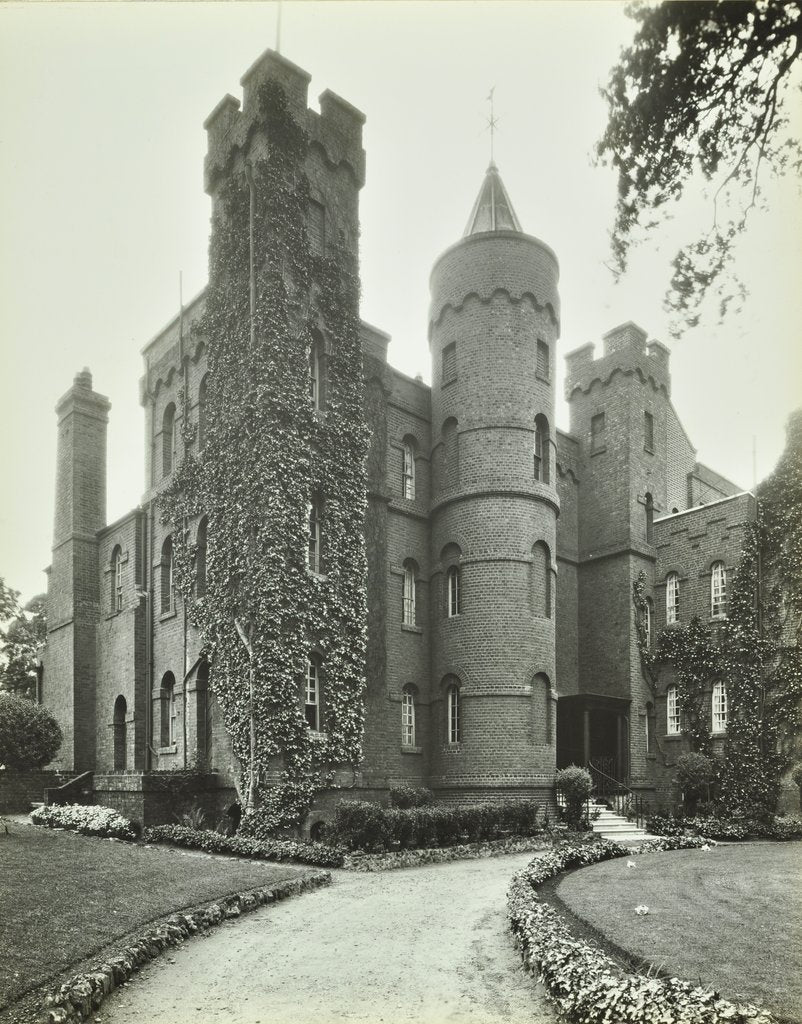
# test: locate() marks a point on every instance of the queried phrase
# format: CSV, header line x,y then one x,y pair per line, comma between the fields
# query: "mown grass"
x,y
730,917
64,897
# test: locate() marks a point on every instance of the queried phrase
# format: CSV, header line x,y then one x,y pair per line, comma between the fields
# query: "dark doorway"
x,y
120,734
593,731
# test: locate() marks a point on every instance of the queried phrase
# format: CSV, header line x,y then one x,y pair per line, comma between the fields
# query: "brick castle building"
x,y
501,550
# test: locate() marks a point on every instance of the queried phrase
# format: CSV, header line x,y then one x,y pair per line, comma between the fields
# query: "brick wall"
x,y
19,789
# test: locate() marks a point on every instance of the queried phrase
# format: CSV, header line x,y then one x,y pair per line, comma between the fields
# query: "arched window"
x,y
541,580
673,722
408,470
453,720
649,518
718,591
120,712
200,559
117,579
312,698
649,621
719,707
453,592
168,710
408,594
202,722
314,560
542,449
408,717
541,701
648,721
168,440
166,573
450,454
672,598
202,412
316,380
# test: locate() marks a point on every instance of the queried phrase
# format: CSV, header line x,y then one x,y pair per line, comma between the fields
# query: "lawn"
x,y
730,917
64,897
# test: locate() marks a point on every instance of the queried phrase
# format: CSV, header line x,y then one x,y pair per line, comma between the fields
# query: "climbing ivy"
x,y
266,453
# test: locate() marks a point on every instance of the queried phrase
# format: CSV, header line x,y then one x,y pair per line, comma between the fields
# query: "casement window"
x,y
408,594
166,573
312,695
119,734
649,511
449,363
649,621
672,598
540,585
408,471
200,559
202,413
408,717
453,723
673,723
317,391
719,707
314,560
453,595
648,432
543,367
168,440
598,435
542,449
117,580
718,591
450,453
316,227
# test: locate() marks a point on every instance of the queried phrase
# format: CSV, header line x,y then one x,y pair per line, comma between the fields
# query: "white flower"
x,y
704,848
630,863
641,910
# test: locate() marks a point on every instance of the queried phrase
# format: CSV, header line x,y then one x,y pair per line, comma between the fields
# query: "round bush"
x,y
796,775
576,785
29,735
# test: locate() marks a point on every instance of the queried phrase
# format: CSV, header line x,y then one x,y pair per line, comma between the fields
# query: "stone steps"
x,y
610,825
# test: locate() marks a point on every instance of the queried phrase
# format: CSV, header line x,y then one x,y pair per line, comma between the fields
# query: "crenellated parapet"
x,y
625,350
336,130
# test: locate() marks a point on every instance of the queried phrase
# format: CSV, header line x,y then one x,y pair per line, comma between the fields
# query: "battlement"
x,y
625,349
337,129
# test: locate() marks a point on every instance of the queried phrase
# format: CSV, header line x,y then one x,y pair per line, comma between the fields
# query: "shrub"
x,y
786,828
696,773
360,825
29,735
89,821
576,785
404,797
260,849
796,776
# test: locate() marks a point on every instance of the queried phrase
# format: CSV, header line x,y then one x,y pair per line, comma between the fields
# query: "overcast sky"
x,y
102,204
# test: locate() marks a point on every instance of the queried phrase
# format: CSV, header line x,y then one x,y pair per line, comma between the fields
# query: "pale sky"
x,y
102,204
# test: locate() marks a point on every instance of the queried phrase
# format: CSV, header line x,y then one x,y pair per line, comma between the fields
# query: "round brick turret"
x,y
494,324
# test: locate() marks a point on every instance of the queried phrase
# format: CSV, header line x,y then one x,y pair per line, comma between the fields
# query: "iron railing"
x,y
611,790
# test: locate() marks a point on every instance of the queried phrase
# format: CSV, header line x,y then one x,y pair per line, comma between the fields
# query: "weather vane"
x,y
492,122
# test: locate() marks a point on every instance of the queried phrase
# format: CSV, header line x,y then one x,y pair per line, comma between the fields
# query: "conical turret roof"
x,y
492,210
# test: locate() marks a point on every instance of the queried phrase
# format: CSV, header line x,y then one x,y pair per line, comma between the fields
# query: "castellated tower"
x,y
493,329
73,598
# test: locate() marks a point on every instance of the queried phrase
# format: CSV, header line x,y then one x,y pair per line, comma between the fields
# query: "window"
x,y
648,621
672,598
312,698
719,707
200,559
316,227
718,591
202,413
648,432
316,382
453,597
542,449
672,711
648,726
450,363
450,453
167,576
315,536
649,518
597,433
543,369
541,580
117,580
168,440
408,717
453,724
408,471
202,718
168,710
408,594
120,738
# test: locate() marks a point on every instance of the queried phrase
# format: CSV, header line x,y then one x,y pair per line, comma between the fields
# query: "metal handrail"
x,y
625,800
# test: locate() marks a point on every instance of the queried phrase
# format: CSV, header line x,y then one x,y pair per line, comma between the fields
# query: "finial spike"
x,y
491,124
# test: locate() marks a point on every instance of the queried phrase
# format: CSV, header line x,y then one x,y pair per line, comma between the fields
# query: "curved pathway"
x,y
427,945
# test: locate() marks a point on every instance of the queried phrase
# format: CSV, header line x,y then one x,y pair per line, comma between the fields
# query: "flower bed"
x,y
439,855
89,821
726,828
260,849
587,985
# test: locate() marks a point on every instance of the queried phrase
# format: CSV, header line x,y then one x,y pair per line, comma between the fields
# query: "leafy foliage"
x,y
243,846
726,828
29,734
576,785
704,89
88,820
21,641
696,773
266,454
410,796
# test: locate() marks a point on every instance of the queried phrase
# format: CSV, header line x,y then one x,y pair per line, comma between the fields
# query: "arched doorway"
x,y
120,734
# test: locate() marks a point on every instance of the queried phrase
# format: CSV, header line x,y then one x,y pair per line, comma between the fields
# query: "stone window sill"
x,y
648,450
598,451
113,615
446,383
673,737
544,377
407,628
168,615
452,748
411,750
652,757
315,574
172,749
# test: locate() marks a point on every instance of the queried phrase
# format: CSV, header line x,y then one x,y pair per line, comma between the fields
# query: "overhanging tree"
x,y
21,642
704,89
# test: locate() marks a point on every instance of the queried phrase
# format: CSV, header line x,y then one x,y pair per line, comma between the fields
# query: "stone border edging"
x,y
369,862
582,979
83,994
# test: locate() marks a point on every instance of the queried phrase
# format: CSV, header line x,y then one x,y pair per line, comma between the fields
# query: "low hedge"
x,y
587,984
88,820
371,862
259,849
361,825
726,828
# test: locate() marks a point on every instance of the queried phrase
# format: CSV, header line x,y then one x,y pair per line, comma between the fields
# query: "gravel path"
x,y
428,945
